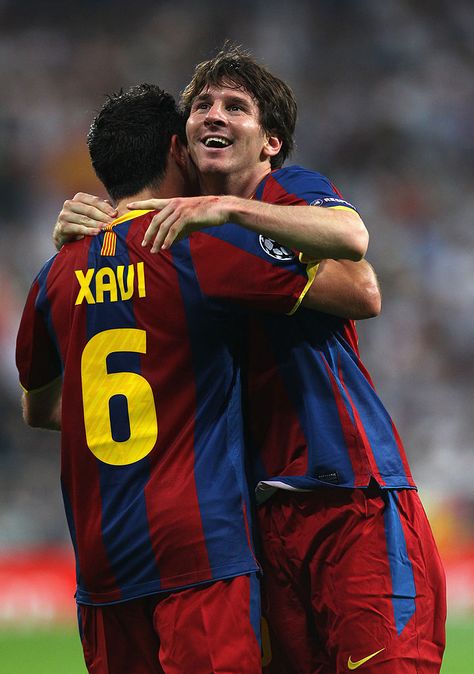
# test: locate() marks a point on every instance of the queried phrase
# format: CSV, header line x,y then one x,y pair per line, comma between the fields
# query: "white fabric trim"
x,y
266,488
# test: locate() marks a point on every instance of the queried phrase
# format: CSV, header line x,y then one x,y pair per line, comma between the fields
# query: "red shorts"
x,y
200,630
352,578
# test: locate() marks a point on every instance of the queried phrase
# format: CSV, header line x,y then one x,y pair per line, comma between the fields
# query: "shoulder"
x,y
45,270
293,182
296,172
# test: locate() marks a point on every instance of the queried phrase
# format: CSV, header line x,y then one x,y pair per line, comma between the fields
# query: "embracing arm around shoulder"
x,y
345,289
317,232
42,408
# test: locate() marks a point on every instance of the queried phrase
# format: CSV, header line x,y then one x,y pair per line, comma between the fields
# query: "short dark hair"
x,y
130,138
276,101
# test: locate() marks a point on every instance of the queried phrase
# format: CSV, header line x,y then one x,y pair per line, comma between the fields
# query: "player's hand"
x,y
180,216
84,215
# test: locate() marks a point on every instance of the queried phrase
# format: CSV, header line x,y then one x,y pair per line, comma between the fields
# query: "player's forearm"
x,y
346,289
317,232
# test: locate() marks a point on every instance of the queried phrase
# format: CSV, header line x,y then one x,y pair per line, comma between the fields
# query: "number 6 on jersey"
x,y
99,386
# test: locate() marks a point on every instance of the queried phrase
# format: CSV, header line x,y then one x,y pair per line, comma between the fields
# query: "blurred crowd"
x,y
386,110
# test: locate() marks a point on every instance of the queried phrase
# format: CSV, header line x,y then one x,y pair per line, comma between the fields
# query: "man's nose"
x,y
215,114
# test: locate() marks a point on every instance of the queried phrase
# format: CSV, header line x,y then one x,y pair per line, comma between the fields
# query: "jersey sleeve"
x,y
37,358
235,264
295,185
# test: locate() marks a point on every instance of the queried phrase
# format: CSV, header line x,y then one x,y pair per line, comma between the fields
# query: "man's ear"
x,y
179,151
272,145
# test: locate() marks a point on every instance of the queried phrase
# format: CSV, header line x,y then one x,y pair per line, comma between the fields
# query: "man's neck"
x,y
172,185
235,184
121,205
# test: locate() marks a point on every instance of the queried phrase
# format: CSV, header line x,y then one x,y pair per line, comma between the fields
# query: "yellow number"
x,y
98,387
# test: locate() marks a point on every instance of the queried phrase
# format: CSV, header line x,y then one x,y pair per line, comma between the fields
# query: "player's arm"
x,y
83,215
346,289
38,361
232,264
319,233
42,408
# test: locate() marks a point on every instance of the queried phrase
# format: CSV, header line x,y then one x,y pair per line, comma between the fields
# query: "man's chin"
x,y
214,166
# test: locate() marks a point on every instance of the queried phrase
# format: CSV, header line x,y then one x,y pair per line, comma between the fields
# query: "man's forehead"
x,y
226,87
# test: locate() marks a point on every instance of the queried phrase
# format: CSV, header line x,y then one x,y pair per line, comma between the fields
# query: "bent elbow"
x,y
360,242
357,239
371,302
374,304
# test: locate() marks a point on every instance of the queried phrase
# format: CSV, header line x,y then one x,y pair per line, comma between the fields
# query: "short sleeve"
x,y
37,358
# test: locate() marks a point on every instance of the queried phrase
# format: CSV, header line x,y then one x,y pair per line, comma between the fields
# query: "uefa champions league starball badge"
x,y
275,249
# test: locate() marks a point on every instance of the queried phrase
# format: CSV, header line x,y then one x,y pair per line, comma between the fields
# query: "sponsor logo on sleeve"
x,y
330,201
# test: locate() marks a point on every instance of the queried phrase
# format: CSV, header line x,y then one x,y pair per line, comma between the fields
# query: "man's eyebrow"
x,y
235,98
204,96
229,98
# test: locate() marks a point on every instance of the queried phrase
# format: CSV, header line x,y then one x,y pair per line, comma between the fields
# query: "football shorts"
x,y
352,580
202,629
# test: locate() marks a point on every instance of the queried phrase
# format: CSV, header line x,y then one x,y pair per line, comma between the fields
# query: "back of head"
x,y
235,67
130,138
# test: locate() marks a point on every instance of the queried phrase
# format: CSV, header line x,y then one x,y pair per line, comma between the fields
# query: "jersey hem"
x,y
129,594
266,488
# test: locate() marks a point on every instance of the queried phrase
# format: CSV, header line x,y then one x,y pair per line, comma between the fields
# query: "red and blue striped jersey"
x,y
315,418
152,465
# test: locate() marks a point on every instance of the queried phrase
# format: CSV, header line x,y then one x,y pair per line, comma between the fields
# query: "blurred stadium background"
x,y
386,109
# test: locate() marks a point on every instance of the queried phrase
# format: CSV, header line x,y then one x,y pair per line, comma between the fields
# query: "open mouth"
x,y
216,142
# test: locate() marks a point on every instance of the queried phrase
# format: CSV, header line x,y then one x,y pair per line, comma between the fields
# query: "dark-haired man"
x,y
144,350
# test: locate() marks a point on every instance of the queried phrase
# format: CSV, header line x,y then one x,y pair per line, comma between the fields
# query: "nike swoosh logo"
x,y
353,665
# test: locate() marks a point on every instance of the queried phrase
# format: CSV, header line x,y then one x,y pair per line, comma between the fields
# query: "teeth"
x,y
215,141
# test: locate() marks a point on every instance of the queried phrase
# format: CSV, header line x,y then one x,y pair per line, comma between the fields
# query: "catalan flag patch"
x,y
109,243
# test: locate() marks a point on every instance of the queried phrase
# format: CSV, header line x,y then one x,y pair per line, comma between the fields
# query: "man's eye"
x,y
235,107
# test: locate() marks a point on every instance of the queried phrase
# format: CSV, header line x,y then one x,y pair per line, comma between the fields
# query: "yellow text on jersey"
x,y
111,285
